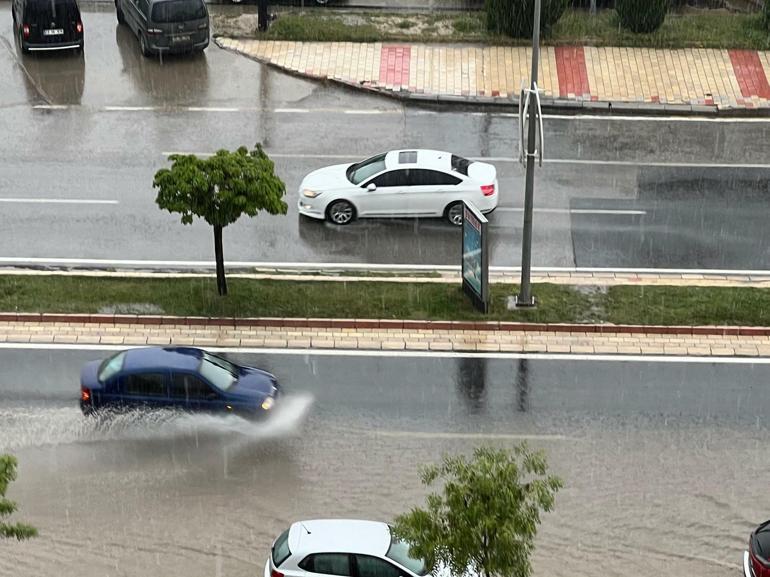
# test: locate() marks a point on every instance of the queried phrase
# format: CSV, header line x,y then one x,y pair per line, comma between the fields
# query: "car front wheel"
x,y
340,212
454,213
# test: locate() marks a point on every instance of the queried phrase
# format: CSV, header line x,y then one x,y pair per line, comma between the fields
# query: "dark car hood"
x,y
255,381
88,375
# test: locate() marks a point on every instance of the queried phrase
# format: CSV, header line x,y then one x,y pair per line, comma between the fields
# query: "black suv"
x,y
164,26
48,24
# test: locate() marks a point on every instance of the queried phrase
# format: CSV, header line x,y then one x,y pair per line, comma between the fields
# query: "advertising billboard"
x,y
475,266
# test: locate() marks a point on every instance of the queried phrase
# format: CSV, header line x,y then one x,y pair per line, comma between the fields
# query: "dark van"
x,y
164,26
48,25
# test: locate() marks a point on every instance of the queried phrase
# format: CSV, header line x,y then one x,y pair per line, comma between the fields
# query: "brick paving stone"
x,y
59,338
440,346
322,343
134,340
158,341
393,345
369,344
417,345
111,340
629,350
298,343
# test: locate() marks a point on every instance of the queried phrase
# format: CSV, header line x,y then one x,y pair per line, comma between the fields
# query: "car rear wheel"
x,y
454,213
340,212
24,49
143,45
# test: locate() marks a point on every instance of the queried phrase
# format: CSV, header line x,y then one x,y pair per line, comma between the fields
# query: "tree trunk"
x,y
593,7
263,19
220,258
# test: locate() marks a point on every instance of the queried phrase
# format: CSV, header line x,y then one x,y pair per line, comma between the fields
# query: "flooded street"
x,y
663,462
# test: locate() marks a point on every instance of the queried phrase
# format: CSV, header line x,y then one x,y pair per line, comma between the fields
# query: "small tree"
x,y
641,16
486,518
18,530
515,18
219,190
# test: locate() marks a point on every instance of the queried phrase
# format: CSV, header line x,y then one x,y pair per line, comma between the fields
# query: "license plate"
x,y
185,38
53,32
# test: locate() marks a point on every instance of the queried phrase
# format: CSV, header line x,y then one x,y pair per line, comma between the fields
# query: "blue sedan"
x,y
176,378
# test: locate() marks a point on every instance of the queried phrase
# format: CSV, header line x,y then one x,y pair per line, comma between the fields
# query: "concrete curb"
x,y
550,105
417,325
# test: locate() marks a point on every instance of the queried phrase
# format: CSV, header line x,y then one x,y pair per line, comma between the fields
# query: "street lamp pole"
x,y
525,298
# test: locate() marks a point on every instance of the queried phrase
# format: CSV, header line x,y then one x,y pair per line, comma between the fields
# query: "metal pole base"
x,y
514,303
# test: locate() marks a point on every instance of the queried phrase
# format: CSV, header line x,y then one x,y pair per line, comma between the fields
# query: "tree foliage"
x,y
220,189
8,530
486,516
515,18
641,16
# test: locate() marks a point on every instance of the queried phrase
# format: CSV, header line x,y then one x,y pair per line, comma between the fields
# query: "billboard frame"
x,y
475,257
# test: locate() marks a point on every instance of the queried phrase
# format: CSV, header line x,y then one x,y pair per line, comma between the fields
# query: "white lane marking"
x,y
212,109
130,108
446,435
574,210
371,112
372,267
417,354
59,200
643,118
422,112
503,159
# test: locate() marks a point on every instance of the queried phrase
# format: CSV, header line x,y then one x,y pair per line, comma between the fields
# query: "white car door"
x,y
387,197
325,564
433,190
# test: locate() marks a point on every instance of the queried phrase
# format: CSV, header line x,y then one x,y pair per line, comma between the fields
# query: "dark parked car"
x,y
176,378
164,26
756,561
48,25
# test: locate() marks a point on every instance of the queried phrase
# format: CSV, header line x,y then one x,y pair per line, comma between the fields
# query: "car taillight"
x,y
488,189
85,394
25,30
79,27
275,573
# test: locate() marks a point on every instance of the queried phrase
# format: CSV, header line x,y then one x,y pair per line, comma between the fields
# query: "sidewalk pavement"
x,y
576,77
387,335
404,335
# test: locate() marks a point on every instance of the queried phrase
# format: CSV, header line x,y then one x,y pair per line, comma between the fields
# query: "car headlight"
x,y
310,193
268,403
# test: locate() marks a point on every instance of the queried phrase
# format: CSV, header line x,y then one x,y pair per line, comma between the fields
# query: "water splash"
x,y
40,426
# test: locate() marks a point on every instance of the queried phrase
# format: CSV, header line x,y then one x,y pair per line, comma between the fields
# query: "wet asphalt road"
x,y
630,193
664,463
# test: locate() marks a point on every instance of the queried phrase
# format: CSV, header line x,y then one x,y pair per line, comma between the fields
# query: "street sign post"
x,y
475,265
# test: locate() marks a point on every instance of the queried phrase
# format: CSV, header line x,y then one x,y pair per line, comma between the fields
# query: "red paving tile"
x,y
394,65
571,71
750,74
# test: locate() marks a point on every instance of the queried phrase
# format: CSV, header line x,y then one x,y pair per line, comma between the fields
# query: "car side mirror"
x,y
372,187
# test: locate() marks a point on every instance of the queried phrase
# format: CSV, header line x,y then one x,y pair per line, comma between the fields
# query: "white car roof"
x,y
339,536
433,159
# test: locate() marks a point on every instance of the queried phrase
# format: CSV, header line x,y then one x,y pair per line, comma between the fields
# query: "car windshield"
x,y
359,172
218,371
178,11
110,366
399,552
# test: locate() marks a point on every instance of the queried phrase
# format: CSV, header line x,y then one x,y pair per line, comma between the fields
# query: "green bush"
x,y
515,18
641,16
766,13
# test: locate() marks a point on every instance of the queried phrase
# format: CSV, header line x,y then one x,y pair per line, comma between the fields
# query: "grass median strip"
x,y
686,29
386,300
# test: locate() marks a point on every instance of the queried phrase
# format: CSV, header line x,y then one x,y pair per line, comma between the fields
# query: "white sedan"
x,y
342,547
423,183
